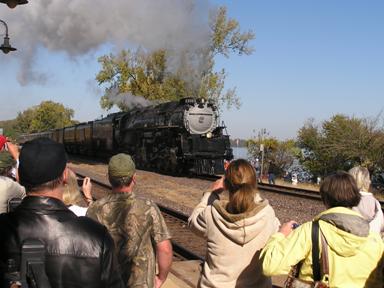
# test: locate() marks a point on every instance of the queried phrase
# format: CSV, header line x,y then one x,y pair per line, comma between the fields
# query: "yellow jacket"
x,y
355,254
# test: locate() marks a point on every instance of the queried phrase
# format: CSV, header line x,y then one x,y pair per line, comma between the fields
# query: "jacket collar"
x,y
347,220
42,203
221,207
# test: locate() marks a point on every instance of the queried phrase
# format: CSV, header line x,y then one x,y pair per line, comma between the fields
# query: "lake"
x,y
240,152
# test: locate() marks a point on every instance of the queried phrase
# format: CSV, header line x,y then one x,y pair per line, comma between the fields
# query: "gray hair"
x,y
361,175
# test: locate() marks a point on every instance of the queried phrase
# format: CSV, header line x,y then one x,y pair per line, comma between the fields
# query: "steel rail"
x,y
296,191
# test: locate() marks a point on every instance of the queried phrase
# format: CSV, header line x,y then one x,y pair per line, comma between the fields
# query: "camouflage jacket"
x,y
136,225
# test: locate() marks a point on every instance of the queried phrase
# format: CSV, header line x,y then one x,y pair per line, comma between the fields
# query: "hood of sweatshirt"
x,y
244,227
344,230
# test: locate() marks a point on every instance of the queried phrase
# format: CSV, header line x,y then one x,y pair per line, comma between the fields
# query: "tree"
x,y
48,115
9,128
138,73
282,153
148,73
341,143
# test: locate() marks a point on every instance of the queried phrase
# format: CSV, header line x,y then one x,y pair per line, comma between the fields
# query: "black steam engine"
x,y
174,137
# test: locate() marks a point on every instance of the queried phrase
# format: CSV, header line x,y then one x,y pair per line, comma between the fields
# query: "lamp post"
x,y
262,135
13,3
6,47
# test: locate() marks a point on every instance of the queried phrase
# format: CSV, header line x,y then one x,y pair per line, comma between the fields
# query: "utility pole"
x,y
262,134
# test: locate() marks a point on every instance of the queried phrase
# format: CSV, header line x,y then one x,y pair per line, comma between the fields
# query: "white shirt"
x,y
78,210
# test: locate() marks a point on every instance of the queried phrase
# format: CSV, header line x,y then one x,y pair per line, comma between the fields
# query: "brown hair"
x,y
340,189
50,185
240,181
117,182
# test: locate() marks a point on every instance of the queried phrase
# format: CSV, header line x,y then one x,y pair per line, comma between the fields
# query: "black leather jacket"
x,y
79,251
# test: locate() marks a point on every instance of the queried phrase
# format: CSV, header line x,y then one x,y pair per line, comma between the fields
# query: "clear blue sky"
x,y
312,59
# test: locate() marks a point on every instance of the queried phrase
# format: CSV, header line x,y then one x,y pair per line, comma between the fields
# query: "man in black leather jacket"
x,y
79,251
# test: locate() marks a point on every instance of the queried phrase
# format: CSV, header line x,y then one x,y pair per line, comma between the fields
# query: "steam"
x,y
26,73
126,99
78,28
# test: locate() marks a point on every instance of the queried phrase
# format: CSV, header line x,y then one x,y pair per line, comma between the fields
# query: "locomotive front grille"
x,y
209,166
208,145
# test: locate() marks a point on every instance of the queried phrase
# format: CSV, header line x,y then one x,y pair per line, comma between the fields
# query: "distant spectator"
x,y
79,251
9,188
368,206
272,169
72,196
287,176
236,230
354,254
141,236
294,179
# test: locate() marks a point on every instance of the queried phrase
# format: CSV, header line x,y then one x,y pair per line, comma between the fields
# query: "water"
x,y
296,168
240,152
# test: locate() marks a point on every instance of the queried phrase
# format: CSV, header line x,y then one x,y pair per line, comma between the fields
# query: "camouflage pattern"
x,y
136,225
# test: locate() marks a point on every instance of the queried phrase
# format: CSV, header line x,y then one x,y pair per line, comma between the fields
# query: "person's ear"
x,y
65,176
133,179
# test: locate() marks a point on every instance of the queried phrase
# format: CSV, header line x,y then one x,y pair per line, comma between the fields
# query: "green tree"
x,y
147,73
138,73
341,143
47,115
282,153
9,128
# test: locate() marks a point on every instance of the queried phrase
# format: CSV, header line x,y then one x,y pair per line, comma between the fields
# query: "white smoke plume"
x,y
79,27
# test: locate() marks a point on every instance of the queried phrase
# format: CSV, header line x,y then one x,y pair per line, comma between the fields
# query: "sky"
x,y
311,59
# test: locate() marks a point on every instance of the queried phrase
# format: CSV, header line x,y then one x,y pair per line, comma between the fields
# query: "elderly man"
x,y
79,251
137,227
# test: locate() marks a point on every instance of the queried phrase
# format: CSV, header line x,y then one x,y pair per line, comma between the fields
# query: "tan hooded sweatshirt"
x,y
234,242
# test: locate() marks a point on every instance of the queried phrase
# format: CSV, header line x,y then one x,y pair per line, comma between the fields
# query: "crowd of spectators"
x,y
126,244
121,240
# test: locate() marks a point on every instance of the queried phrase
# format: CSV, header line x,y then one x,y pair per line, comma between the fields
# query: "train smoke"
x,y
126,99
78,28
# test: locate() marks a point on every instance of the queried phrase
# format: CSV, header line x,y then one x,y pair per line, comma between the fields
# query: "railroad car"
x,y
175,137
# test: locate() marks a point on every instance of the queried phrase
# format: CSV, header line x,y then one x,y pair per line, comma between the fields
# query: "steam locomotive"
x,y
174,138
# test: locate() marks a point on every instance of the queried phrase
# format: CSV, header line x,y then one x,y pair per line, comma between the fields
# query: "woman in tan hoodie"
x,y
236,230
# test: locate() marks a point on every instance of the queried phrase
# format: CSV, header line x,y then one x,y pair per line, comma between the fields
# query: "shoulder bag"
x,y
318,281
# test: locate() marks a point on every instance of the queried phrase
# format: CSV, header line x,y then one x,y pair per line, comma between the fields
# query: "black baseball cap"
x,y
41,160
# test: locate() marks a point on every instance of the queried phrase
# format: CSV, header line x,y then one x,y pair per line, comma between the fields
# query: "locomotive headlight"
x,y
209,135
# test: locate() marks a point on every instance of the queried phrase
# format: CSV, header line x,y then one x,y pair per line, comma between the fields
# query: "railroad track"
x,y
292,191
296,191
186,245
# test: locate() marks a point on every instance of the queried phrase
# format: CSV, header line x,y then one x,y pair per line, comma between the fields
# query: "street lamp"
x,y
6,47
13,3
